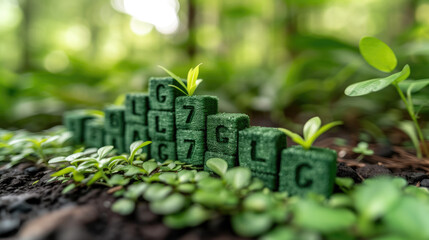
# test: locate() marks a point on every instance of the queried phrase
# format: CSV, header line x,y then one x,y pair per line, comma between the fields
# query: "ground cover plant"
x,y
187,197
381,57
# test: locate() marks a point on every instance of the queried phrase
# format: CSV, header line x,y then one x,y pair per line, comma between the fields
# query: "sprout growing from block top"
x,y
312,131
192,81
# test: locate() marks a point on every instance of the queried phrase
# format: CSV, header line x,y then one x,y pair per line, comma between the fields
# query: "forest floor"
x,y
32,207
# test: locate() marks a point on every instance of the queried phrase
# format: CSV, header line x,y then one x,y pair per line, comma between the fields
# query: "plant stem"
x,y
416,123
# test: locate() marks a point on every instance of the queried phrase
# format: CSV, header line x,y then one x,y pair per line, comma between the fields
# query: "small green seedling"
x,y
363,150
381,57
192,81
312,131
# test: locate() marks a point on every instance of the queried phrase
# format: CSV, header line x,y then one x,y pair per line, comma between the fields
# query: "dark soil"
x,y
40,211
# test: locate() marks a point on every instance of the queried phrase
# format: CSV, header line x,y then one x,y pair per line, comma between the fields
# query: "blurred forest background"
x,y
280,61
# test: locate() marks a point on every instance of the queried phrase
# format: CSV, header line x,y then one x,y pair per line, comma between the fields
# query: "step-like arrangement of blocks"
x,y
302,170
190,129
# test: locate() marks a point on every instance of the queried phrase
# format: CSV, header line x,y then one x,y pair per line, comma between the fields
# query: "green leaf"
x,y
312,216
409,218
185,176
217,165
123,206
377,54
295,137
119,180
405,73
257,202
96,176
63,171
68,188
250,224
191,217
135,147
281,233
186,188
136,190
176,87
319,132
177,78
169,205
238,177
408,128
311,127
149,166
369,86
201,175
102,152
157,191
57,160
375,197
168,177
413,86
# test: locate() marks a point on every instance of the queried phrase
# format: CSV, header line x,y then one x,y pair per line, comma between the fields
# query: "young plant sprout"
x,y
363,150
380,56
192,81
312,131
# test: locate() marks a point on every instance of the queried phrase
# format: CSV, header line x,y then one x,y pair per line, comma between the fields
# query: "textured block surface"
x,y
304,171
136,108
191,146
260,149
74,121
222,131
163,150
94,133
114,119
136,132
192,112
161,125
162,96
115,140
271,181
231,160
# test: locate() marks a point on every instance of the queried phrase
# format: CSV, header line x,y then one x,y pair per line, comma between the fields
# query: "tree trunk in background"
x,y
27,9
191,44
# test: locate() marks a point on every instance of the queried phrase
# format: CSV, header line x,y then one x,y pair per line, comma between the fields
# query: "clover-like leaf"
x,y
238,177
378,54
123,206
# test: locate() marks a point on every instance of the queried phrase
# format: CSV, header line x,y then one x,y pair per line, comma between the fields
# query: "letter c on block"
x,y
160,98
220,139
307,182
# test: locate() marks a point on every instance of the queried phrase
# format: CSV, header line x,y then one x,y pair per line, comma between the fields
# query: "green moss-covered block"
x,y
161,125
136,108
94,133
136,132
260,149
74,121
303,171
114,119
222,132
163,150
271,181
117,141
192,112
191,146
231,160
162,96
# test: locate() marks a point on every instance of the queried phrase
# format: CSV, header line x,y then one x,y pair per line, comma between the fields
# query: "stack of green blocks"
x,y
304,171
136,120
260,150
161,118
114,126
75,122
191,123
222,136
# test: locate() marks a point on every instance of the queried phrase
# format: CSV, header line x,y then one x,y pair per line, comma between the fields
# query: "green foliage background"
x,y
277,60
